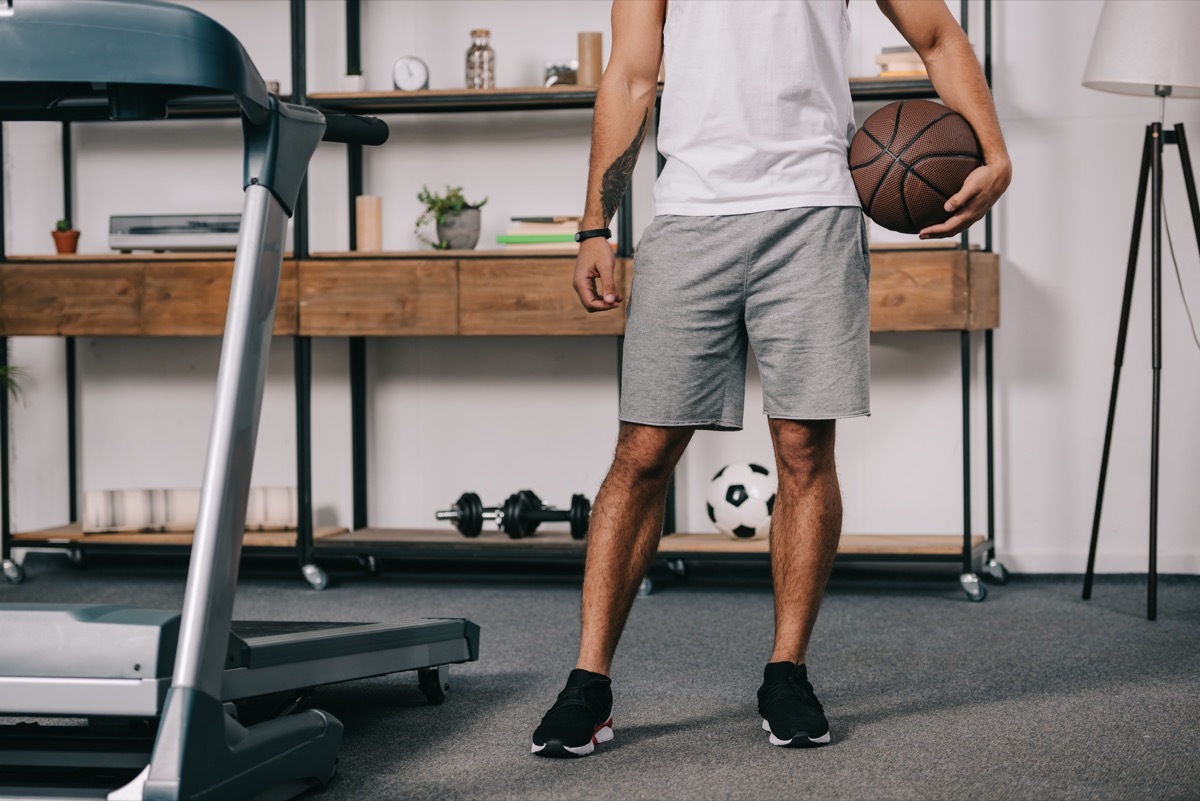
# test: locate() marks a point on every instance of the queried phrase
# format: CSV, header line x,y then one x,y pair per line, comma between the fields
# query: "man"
x,y
758,239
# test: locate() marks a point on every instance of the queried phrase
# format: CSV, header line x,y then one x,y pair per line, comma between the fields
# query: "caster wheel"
x,y
678,567
77,557
995,572
369,565
13,573
646,589
434,683
317,578
971,585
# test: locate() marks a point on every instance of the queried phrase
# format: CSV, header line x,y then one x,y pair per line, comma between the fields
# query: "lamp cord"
x,y
1178,277
1162,118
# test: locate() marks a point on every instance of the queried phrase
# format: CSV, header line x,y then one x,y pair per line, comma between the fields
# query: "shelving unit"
x,y
358,295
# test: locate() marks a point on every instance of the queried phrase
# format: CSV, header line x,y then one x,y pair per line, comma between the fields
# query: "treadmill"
x,y
153,698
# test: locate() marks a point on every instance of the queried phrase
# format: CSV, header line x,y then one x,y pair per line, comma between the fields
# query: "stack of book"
x,y
900,62
541,235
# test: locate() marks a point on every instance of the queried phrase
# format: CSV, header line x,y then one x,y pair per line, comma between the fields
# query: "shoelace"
x,y
573,696
791,690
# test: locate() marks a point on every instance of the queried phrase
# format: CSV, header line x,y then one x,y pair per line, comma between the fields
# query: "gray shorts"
x,y
791,283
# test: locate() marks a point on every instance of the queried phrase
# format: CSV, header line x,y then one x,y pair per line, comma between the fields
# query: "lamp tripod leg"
x,y
1122,331
1156,191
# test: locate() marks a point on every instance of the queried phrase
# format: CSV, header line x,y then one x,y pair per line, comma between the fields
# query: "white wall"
x,y
493,415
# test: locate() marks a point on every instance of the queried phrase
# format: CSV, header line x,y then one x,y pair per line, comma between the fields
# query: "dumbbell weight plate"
x,y
529,520
470,514
581,512
514,523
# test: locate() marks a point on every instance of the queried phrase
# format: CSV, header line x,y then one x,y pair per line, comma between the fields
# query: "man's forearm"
x,y
959,81
618,129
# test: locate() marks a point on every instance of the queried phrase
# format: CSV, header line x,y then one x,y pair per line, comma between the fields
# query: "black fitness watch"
x,y
594,232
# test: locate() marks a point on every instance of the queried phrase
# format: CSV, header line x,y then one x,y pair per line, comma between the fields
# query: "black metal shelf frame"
x,y
582,99
867,91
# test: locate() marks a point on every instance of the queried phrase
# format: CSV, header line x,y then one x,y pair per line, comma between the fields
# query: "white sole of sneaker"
x,y
603,734
822,740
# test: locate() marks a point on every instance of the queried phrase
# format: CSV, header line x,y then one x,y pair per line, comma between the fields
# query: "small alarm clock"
x,y
410,74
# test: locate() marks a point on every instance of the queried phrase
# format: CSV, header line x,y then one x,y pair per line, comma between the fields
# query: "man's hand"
x,y
596,263
980,191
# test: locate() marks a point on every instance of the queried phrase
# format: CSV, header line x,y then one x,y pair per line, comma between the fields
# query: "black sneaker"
x,y
580,718
792,715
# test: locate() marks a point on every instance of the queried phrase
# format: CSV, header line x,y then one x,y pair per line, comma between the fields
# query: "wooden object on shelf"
x,y
368,216
73,533
591,58
529,297
409,297
948,290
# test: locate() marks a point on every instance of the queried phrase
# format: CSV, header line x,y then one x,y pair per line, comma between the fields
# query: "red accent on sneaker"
x,y
608,722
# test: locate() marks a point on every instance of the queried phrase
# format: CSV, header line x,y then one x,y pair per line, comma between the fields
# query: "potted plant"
x,y
66,238
457,220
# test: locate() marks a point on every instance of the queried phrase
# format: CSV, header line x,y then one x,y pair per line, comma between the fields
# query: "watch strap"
x,y
592,233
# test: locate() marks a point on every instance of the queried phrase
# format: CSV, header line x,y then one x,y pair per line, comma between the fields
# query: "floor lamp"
x,y
1146,48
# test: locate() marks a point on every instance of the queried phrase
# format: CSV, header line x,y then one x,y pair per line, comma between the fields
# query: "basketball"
x,y
908,159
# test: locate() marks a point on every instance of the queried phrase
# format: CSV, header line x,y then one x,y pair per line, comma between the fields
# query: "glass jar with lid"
x,y
481,61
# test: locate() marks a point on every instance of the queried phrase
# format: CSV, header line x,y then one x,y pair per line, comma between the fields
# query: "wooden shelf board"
x,y
533,98
446,539
72,533
939,246
560,542
72,258
851,544
443,293
437,254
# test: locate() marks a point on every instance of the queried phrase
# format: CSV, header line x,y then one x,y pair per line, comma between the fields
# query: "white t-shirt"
x,y
756,110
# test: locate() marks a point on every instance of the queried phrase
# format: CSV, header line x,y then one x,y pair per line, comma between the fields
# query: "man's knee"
x,y
803,448
648,454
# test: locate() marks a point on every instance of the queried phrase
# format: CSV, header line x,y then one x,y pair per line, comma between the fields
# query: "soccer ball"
x,y
741,499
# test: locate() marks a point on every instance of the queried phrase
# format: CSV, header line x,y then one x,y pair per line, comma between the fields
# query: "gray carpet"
x,y
1033,694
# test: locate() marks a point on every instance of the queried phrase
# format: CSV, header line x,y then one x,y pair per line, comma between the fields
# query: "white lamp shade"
x,y
1140,44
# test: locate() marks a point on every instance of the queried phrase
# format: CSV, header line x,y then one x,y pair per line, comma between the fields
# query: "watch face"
x,y
410,74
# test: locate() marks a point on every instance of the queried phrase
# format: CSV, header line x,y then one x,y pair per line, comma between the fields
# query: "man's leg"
x,y
805,528
622,539
623,535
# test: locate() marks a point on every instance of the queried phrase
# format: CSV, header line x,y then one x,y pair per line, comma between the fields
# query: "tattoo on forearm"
x,y
616,178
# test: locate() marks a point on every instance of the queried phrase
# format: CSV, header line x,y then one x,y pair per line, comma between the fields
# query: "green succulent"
x,y
436,209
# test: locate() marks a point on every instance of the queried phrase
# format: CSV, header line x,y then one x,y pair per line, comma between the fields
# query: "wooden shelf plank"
x,y
851,544
502,298
125,258
416,541
538,98
950,290
430,253
127,297
73,533
404,297
485,293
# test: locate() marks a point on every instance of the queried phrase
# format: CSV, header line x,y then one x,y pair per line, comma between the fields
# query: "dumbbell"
x,y
519,517
468,514
524,511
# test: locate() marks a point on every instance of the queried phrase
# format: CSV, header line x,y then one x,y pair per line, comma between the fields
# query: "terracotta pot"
x,y
65,241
